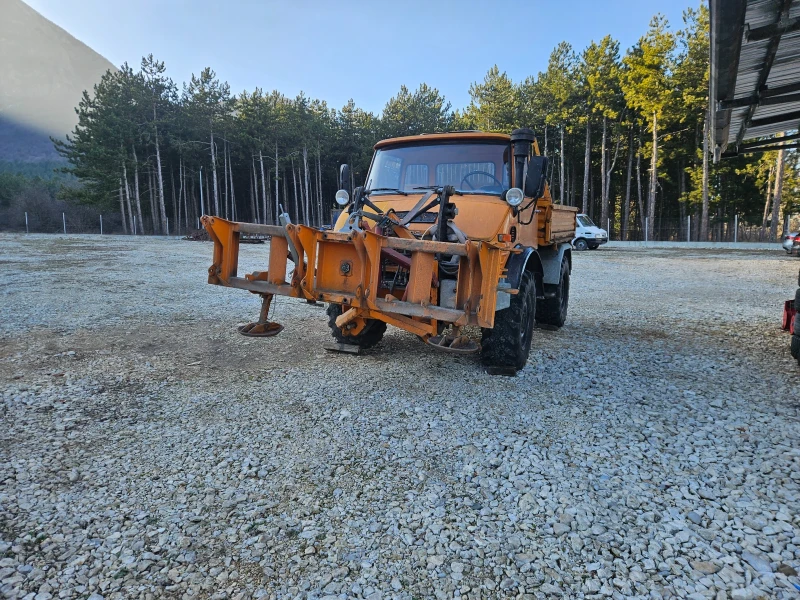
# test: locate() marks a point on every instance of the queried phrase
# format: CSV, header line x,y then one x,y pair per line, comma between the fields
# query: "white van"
x,y
588,236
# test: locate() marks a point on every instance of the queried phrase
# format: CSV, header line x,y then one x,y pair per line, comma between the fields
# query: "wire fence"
x,y
688,230
78,219
84,220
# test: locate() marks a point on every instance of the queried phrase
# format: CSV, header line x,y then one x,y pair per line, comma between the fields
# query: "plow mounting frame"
x,y
345,268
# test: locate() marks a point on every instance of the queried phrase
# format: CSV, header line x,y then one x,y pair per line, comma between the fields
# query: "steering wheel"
x,y
468,175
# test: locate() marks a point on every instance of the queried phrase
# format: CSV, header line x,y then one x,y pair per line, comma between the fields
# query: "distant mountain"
x,y
43,72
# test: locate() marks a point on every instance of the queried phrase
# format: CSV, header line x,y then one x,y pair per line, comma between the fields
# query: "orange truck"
x,y
454,236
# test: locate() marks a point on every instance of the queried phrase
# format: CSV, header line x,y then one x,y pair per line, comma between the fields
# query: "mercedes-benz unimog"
x,y
449,231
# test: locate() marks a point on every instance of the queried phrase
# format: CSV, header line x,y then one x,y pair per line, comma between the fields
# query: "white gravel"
x,y
648,450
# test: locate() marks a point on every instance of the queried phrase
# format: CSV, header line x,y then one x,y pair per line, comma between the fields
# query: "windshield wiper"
x,y
435,187
387,190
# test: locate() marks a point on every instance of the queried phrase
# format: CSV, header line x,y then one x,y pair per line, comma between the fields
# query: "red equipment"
x,y
789,311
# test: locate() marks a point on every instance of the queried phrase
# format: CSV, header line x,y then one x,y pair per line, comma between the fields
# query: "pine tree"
x,y
495,104
208,101
648,87
424,111
161,95
602,73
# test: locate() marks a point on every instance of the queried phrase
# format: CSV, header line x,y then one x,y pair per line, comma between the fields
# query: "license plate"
x,y
426,217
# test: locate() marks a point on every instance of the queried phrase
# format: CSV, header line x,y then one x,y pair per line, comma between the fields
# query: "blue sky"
x,y
356,49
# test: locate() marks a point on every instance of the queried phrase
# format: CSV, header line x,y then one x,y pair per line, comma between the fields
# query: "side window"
x,y
416,175
506,170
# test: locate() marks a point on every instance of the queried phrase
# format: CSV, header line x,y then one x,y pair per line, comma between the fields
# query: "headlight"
x,y
514,196
342,197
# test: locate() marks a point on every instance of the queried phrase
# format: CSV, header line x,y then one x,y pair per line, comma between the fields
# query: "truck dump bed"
x,y
557,225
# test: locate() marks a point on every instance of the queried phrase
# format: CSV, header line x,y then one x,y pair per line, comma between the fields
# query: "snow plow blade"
x,y
355,269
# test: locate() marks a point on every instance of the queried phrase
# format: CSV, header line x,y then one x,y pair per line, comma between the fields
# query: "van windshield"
x,y
585,221
470,168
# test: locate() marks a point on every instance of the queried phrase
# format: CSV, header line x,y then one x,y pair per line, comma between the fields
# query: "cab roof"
x,y
477,136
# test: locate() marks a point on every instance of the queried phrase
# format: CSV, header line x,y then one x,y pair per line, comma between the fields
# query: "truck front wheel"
x,y
580,244
369,336
553,310
505,348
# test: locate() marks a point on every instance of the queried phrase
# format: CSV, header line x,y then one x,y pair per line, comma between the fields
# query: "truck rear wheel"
x,y
505,348
369,336
553,310
795,347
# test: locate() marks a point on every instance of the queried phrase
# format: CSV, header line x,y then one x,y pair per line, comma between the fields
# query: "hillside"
x,y
43,71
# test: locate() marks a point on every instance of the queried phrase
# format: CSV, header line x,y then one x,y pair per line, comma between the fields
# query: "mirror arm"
x,y
530,204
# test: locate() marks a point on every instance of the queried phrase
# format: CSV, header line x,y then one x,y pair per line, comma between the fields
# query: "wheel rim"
x,y
526,322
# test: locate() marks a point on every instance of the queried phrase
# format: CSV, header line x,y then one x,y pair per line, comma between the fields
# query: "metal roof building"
x,y
755,75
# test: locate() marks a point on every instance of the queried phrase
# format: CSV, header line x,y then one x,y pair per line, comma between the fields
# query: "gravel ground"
x,y
648,450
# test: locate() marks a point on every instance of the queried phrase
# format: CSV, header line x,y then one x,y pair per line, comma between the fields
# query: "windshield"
x,y
585,221
469,168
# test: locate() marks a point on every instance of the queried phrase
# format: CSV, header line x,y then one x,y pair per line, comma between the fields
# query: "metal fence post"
x,y
26,224
167,226
202,206
64,219
689,228
101,224
735,228
198,223
608,230
646,227
134,224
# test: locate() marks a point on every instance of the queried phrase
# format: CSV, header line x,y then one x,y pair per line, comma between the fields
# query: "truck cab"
x,y
480,169
477,166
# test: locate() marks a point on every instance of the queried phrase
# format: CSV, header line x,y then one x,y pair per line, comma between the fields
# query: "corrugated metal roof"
x,y
747,63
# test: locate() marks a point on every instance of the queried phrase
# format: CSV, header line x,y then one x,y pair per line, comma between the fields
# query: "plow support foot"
x,y
263,327
453,341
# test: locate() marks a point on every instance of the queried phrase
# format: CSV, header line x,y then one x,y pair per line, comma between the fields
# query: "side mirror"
x,y
536,177
344,178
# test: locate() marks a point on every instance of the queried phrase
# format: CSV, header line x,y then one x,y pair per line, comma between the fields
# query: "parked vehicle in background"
x,y
588,236
791,242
